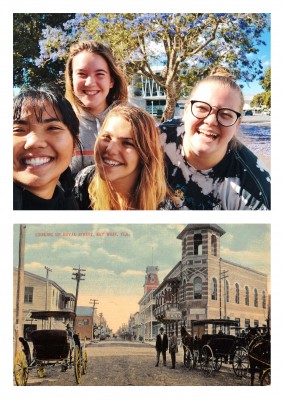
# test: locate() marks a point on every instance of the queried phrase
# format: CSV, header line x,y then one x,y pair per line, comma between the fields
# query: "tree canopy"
x,y
264,99
186,45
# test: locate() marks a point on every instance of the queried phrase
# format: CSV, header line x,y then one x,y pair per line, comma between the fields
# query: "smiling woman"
x,y
206,164
45,131
94,85
129,172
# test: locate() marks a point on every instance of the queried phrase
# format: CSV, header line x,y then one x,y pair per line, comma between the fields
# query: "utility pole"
x,y
94,302
46,289
78,276
101,315
20,289
220,292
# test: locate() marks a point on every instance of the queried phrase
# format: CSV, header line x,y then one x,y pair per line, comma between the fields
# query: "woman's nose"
x,y
35,139
112,146
89,81
212,118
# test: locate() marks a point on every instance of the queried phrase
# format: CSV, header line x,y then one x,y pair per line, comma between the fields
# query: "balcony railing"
x,y
168,312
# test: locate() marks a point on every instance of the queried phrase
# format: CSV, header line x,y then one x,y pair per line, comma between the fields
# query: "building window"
x,y
255,298
246,296
256,322
213,245
238,321
28,297
197,288
237,296
263,299
198,244
85,322
227,292
214,289
247,323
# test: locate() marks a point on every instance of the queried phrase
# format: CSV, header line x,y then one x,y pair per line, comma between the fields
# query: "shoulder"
x,y
172,129
82,182
85,175
17,197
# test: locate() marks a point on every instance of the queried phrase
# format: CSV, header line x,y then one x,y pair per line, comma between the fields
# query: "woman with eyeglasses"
x,y
206,164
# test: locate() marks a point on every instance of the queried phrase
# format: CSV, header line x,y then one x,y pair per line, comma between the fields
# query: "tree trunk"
x,y
171,100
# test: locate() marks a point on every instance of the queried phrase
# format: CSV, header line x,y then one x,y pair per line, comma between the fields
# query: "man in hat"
x,y
161,346
173,348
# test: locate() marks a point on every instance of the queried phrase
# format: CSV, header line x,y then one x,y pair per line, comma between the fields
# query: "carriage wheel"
x,y
266,378
21,370
188,361
207,360
217,363
84,362
41,372
77,364
241,362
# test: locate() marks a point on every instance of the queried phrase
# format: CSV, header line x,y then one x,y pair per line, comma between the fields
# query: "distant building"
x,y
204,286
84,325
147,94
41,294
148,325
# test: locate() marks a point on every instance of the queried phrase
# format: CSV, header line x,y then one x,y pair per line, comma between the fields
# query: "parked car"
x,y
248,112
266,112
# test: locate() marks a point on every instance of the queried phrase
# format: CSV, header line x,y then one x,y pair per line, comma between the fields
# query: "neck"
x,y
203,162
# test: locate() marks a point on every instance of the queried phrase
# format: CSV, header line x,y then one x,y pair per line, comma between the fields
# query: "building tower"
x,y
200,246
151,279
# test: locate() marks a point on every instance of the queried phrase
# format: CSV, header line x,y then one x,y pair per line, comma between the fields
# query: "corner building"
x,y
205,286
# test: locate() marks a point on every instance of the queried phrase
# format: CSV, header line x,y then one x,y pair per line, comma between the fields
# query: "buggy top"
x,y
52,314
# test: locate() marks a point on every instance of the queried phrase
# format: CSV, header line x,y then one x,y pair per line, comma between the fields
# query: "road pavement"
x,y
123,363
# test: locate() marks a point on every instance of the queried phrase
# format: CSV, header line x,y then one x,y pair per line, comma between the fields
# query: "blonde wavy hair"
x,y
117,94
151,187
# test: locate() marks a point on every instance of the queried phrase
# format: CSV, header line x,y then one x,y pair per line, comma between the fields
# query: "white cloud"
x,y
35,266
115,257
132,272
36,246
66,244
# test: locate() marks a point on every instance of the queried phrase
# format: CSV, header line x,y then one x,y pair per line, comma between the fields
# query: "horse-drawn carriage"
x,y
50,347
211,350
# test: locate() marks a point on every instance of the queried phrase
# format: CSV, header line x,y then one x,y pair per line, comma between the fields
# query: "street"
x,y
124,363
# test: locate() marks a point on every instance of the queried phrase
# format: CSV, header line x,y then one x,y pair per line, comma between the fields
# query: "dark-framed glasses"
x,y
225,116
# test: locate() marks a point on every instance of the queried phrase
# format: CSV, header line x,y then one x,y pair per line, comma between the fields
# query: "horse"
x,y
259,354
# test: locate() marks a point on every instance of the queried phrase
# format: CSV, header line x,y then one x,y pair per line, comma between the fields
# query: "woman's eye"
x,y
18,129
54,128
106,137
127,143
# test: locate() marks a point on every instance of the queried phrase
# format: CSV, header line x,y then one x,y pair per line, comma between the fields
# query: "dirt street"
x,y
118,363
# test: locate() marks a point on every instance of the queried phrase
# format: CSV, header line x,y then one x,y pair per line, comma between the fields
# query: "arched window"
x,y
263,299
255,298
227,292
213,245
237,295
246,296
214,289
198,244
197,288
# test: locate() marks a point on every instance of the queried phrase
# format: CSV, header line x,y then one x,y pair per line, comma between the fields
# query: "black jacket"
x,y
25,200
162,345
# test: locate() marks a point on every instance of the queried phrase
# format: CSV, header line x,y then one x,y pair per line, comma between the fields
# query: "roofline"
x,y
41,278
214,227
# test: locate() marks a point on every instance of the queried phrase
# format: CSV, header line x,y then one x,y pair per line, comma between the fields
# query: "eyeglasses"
x,y
225,116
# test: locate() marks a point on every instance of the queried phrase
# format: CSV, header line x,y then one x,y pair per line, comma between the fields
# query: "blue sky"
x,y
264,55
115,257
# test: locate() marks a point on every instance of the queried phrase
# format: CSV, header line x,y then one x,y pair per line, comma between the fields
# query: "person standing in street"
x,y
173,348
162,346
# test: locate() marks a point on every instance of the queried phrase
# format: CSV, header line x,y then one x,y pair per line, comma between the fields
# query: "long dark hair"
x,y
36,99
